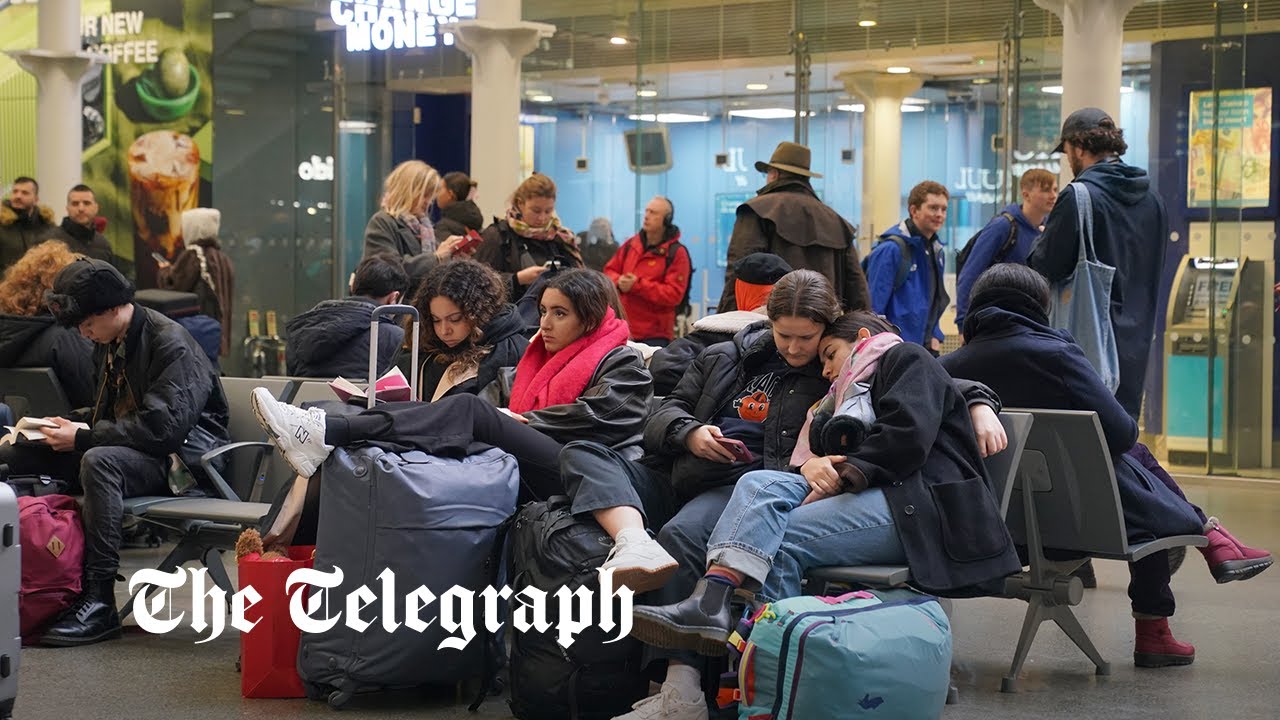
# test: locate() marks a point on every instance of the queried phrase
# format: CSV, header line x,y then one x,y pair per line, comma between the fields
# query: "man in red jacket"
x,y
652,271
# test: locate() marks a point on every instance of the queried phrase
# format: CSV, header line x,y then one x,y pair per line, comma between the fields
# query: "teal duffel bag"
x,y
885,654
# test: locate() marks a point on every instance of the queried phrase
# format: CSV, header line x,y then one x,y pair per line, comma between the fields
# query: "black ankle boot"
x,y
92,618
700,622
1086,575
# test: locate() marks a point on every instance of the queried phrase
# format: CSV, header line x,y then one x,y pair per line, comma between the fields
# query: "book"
x,y
392,387
29,429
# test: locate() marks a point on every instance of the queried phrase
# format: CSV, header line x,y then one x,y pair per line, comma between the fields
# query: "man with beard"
x,y
78,230
24,222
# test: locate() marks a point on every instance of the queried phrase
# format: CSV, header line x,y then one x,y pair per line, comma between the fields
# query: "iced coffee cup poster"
x,y
147,118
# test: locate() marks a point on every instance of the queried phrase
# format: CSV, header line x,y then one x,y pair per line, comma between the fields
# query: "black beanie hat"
x,y
761,268
87,287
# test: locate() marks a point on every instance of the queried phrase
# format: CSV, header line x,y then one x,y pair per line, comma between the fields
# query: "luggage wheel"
x,y
338,698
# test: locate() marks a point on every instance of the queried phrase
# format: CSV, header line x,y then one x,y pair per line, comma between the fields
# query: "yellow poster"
x,y
1243,158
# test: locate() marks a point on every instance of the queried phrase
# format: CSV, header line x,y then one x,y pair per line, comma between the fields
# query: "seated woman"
x,y
880,502
1010,346
29,337
469,330
577,380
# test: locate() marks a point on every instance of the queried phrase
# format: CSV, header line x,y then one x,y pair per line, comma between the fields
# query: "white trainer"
x,y
298,433
667,705
640,564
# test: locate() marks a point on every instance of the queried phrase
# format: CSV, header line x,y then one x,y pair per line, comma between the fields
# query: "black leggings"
x,y
450,427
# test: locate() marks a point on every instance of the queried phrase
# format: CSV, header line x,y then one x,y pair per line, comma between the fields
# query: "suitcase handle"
x,y
391,311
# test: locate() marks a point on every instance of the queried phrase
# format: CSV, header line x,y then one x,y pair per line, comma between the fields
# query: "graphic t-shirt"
x,y
742,418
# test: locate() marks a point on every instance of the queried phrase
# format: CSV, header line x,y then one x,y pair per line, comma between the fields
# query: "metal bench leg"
x,y
1030,625
182,553
1070,625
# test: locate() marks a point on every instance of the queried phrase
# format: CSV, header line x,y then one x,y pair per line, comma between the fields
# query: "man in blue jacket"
x,y
1020,224
1129,229
904,269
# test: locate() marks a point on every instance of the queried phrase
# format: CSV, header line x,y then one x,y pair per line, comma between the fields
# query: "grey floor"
x,y
1235,627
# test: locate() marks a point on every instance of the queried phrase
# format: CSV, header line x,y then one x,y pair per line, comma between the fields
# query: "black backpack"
x,y
589,680
684,308
963,255
904,259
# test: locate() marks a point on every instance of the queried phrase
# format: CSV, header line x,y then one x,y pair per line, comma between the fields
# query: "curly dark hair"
x,y
479,293
1106,139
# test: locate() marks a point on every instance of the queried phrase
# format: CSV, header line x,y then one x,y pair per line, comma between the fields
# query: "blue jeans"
x,y
768,536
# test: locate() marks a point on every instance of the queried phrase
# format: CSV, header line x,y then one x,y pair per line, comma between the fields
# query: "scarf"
x,y
1005,298
422,229
749,295
553,230
544,379
852,379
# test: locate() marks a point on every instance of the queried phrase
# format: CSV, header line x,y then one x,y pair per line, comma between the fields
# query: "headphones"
x,y
671,212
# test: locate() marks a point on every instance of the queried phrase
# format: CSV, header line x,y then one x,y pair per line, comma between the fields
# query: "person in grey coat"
x,y
401,228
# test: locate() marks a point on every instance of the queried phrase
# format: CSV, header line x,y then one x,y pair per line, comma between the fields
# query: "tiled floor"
x,y
1235,627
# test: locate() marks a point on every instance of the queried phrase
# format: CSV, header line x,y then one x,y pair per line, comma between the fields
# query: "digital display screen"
x,y
1219,283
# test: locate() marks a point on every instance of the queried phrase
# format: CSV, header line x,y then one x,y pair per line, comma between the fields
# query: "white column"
x,y
882,96
496,41
1092,54
58,64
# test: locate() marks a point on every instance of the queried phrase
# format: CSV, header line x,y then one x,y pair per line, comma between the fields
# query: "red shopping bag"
x,y
269,652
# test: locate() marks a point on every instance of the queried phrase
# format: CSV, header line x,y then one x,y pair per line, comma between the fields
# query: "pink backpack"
x,y
52,541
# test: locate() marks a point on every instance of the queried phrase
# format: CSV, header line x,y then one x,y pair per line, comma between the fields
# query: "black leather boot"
x,y
92,618
700,622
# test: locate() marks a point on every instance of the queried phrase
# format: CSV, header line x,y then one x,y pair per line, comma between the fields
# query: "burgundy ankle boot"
x,y
1154,645
1228,558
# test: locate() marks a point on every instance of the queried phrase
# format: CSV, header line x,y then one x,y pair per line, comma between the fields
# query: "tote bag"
x,y
1081,304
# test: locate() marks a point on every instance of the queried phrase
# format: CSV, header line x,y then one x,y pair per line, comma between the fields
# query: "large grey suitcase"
x,y
10,582
434,522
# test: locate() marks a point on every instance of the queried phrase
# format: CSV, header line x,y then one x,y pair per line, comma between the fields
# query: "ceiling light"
x,y
224,16
669,118
646,93
617,40
536,119
764,113
897,70
542,98
1126,89
981,81
757,86
1052,89
911,108
357,127
866,23
914,101
855,107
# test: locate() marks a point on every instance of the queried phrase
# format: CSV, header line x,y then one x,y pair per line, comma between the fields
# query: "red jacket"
x,y
659,288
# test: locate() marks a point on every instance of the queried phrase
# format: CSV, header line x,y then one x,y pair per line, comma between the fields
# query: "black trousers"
x,y
106,476
598,477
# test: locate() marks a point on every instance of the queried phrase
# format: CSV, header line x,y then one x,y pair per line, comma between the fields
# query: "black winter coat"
x,y
1129,231
21,232
1032,365
670,363
503,335
717,377
40,342
171,386
921,451
86,241
332,339
507,252
457,219
611,411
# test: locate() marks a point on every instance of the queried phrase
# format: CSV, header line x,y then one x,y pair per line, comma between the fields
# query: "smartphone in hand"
x,y
737,448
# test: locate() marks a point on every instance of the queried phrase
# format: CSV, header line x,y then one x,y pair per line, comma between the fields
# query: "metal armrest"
x,y
220,483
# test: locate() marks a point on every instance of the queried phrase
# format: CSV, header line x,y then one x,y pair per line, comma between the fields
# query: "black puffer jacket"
x,y
171,387
611,411
715,379
332,339
503,335
670,363
40,342
457,219
85,240
19,232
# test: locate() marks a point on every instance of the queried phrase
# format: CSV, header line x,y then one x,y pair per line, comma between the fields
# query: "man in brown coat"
x,y
787,219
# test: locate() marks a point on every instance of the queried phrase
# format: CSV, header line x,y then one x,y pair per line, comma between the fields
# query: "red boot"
x,y
1228,558
1154,645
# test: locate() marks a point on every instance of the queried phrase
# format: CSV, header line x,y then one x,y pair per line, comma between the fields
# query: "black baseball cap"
x,y
1083,120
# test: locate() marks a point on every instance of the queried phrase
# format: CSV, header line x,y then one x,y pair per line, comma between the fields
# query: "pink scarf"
x,y
544,379
860,366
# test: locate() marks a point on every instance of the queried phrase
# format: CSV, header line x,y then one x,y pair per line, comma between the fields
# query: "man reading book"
x,y
155,391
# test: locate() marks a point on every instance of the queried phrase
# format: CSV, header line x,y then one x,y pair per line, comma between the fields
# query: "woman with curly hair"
x,y
29,337
469,330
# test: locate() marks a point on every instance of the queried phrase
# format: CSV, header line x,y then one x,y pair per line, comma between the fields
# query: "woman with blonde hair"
x,y
401,227
530,240
29,337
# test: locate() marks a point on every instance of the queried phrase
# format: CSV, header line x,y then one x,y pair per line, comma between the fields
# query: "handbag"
x,y
1081,304
269,652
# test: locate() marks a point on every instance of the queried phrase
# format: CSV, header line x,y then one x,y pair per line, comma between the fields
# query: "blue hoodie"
x,y
985,247
916,306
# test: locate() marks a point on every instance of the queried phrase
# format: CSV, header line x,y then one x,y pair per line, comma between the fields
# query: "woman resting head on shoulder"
x,y
469,330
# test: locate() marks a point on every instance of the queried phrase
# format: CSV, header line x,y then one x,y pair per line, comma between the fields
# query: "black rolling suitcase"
x,y
10,582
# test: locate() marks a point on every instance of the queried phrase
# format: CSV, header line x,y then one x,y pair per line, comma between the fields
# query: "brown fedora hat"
x,y
791,157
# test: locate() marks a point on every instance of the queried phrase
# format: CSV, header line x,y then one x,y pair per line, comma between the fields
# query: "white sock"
x,y
629,535
686,680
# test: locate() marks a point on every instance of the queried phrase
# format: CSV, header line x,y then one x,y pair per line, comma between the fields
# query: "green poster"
x,y
147,117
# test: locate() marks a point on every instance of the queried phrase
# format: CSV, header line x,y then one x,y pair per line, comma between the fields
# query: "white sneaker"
x,y
298,433
640,564
666,705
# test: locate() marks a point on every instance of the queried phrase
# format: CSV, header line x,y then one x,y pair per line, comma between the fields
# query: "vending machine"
x,y
1219,349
